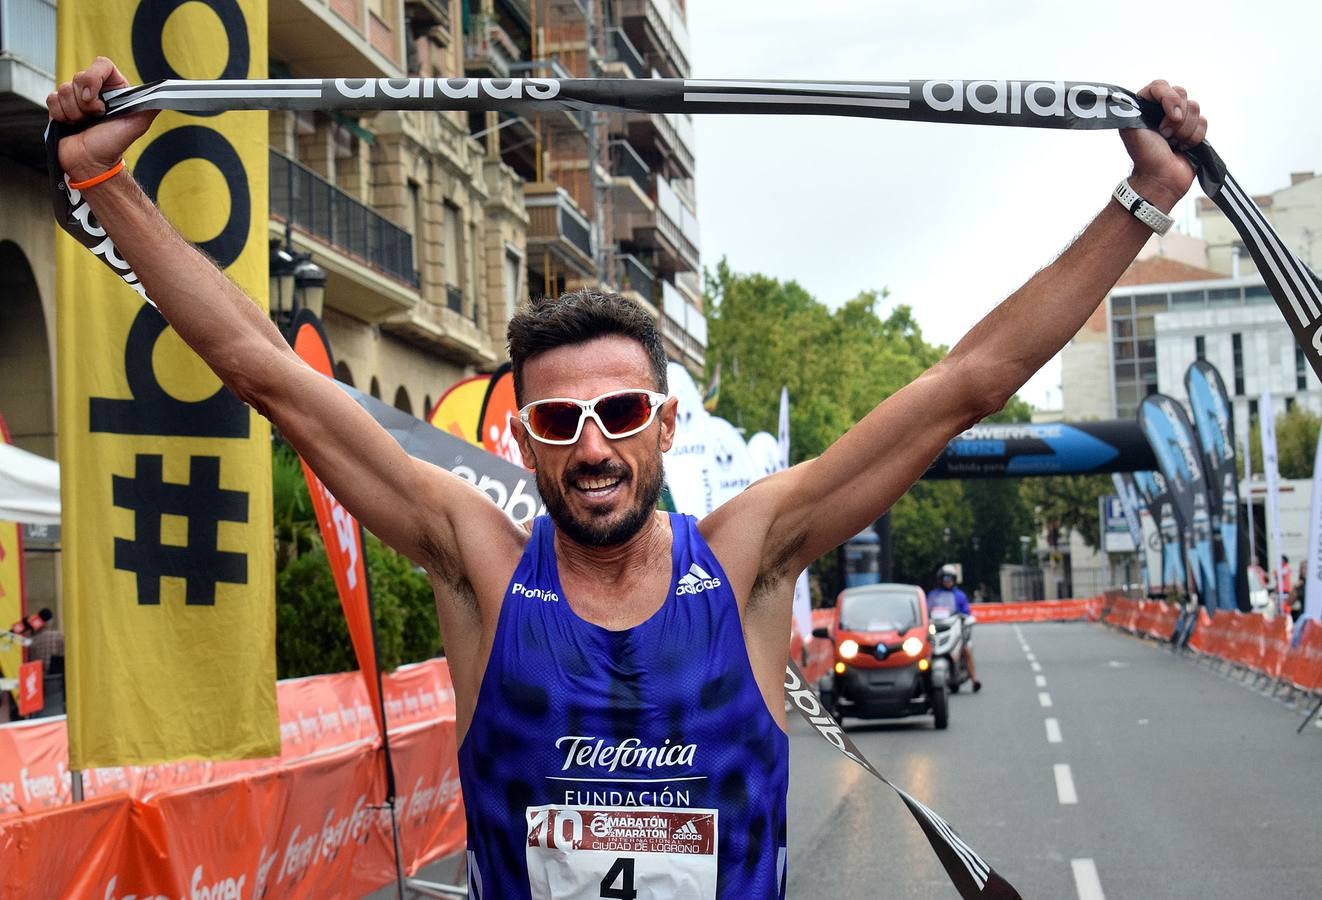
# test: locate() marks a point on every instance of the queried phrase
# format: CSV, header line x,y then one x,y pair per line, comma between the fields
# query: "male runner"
x,y
618,671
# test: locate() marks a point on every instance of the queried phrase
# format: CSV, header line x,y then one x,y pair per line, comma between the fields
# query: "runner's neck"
x,y
645,551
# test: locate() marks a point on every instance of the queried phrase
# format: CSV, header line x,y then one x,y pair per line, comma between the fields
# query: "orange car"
x,y
883,665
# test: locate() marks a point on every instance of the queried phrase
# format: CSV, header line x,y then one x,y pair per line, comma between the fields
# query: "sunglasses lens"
x,y
621,413
554,421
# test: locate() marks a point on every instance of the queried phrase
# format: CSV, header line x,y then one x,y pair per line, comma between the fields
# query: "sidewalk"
x,y
449,870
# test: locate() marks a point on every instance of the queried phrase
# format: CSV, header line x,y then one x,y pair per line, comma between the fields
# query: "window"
x,y
1124,328
513,281
1223,295
451,238
1300,369
1289,404
1237,349
1151,389
1188,298
1253,409
1200,347
415,216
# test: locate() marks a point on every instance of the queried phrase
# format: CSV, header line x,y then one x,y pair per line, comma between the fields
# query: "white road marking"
x,y
1037,666
1086,881
1053,731
1031,658
1044,698
1040,681
1065,785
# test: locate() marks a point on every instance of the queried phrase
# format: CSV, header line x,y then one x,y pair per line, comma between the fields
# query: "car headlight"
x,y
912,646
848,649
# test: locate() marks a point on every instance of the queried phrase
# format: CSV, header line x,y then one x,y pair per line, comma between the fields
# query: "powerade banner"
x,y
1128,494
1156,496
459,411
1031,104
341,533
1216,438
1054,448
1171,436
165,475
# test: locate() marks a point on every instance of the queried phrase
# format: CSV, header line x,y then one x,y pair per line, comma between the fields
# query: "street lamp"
x,y
296,282
1024,541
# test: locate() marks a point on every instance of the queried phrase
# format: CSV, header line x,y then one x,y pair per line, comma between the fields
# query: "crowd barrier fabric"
x,y
301,825
1038,611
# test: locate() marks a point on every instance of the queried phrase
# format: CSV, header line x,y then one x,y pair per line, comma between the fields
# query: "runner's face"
x,y
599,491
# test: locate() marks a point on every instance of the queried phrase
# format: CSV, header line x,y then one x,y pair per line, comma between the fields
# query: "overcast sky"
x,y
952,218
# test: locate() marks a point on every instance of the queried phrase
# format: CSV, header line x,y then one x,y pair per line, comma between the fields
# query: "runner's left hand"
x,y
1162,174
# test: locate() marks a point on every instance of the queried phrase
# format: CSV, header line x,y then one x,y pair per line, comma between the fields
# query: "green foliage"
x,y
919,521
1067,503
295,521
1296,443
312,637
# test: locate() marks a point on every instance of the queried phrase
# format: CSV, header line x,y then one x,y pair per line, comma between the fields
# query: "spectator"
x,y
48,646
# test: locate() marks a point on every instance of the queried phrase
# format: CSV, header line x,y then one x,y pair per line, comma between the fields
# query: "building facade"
x,y
430,228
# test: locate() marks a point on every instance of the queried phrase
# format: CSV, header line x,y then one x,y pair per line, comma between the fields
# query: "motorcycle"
x,y
950,632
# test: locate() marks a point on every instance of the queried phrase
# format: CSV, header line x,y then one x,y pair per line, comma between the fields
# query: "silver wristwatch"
x,y
1141,209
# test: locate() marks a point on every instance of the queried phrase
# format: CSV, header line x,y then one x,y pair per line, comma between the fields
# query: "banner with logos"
x,y
165,475
341,533
1313,581
1170,434
12,604
1272,474
302,825
499,408
1015,450
459,411
1156,497
1216,438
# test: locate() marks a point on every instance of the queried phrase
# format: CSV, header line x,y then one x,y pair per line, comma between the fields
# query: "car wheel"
x,y
940,707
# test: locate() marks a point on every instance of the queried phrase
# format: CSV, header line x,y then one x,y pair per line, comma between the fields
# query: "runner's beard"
x,y
607,529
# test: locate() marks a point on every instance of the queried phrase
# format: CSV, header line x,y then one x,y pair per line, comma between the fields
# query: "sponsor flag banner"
x,y
12,607
341,533
1171,436
31,693
1216,439
802,592
166,475
459,411
498,409
1127,491
1156,496
1272,474
1248,497
1313,581
1031,104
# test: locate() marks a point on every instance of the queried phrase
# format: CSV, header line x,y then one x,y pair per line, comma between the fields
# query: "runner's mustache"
x,y
601,470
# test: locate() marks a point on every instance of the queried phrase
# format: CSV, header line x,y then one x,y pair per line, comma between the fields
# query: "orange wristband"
x,y
97,179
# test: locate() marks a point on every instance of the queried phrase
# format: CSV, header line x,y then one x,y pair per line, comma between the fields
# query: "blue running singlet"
x,y
628,765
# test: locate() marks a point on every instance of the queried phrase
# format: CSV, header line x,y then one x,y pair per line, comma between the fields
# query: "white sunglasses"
x,y
619,414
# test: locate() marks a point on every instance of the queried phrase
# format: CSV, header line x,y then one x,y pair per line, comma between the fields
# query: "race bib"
x,y
621,853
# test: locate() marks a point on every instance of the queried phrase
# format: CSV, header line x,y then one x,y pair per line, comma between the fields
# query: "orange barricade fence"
x,y
306,824
1038,611
1302,668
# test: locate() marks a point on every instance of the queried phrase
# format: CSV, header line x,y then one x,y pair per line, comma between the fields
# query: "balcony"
x,y
657,28
488,50
368,258
658,136
684,326
626,162
27,64
636,280
557,226
337,37
571,121
439,329
669,229
623,57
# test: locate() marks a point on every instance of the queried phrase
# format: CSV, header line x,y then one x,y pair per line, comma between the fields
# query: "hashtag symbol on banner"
x,y
204,504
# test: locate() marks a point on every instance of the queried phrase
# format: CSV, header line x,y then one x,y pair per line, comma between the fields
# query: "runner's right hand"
x,y
94,150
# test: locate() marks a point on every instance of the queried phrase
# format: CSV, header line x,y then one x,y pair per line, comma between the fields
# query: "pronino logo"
x,y
695,581
535,593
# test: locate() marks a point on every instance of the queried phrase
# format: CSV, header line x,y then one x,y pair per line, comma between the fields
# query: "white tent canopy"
x,y
29,487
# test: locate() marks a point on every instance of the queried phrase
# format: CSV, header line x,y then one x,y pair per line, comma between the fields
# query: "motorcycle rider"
x,y
947,595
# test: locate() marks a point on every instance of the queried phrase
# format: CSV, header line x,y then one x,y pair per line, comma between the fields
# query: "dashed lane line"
x,y
1044,698
1065,785
1031,658
1053,731
1040,681
1086,881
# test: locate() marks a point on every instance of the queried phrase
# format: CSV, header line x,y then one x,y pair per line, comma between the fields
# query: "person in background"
x,y
48,645
947,595
1296,602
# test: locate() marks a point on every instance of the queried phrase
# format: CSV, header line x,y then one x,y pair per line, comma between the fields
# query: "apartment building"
x,y
610,196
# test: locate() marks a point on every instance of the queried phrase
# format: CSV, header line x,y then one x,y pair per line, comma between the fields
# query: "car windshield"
x,y
879,610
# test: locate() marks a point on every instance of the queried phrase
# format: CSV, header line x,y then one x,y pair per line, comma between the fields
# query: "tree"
x,y
1065,503
1296,443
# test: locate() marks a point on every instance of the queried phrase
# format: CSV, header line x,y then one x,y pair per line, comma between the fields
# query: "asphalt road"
x,y
1185,783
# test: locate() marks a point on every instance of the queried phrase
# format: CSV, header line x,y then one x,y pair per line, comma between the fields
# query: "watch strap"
x,y
1141,209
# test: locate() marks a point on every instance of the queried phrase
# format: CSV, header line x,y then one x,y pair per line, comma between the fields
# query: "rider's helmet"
x,y
947,576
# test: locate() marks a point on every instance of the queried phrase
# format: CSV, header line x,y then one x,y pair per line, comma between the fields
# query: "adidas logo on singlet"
x,y
695,581
688,832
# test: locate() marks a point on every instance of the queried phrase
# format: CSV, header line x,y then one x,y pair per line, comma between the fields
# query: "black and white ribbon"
x,y
1026,104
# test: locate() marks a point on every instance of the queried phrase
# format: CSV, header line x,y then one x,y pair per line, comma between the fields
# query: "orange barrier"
x,y
1038,611
305,824
1302,668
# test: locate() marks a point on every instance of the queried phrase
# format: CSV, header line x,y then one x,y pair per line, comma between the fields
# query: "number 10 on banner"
x,y
621,853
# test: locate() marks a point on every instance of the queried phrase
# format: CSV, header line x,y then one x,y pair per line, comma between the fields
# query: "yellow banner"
x,y
165,476
11,587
